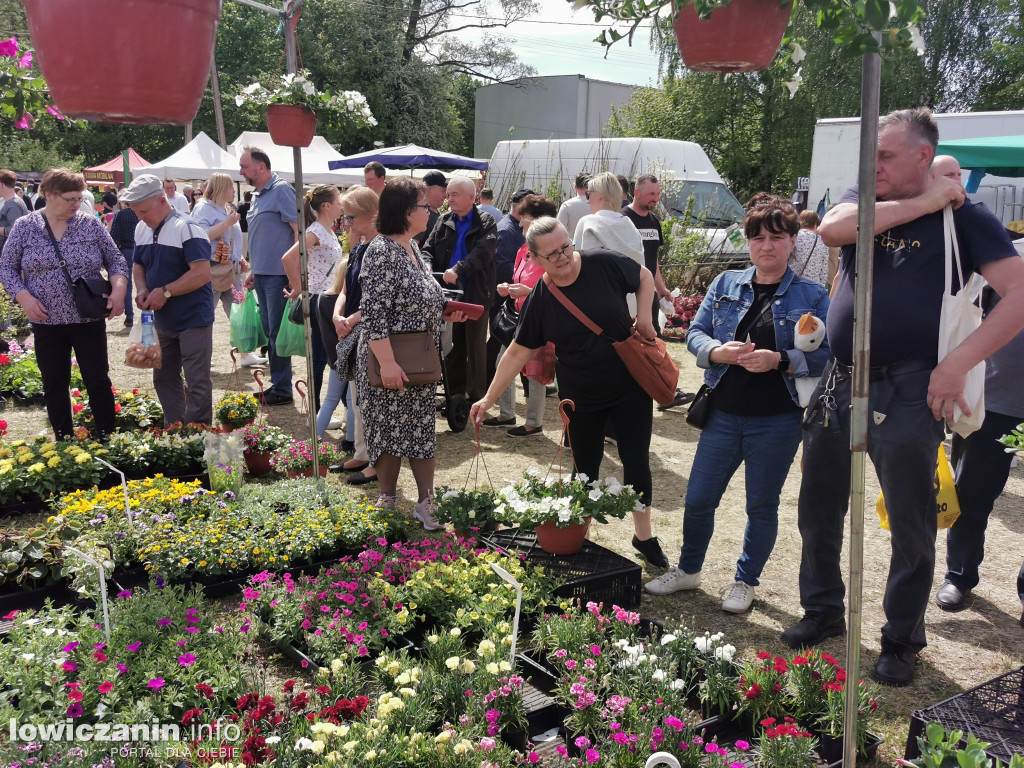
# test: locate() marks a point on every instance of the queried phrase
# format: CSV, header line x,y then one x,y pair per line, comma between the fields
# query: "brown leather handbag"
x,y
648,362
415,353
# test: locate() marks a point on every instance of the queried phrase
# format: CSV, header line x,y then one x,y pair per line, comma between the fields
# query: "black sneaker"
x,y
274,399
650,550
128,322
814,628
681,398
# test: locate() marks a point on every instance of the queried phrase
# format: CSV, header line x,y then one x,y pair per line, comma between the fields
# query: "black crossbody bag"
x,y
90,293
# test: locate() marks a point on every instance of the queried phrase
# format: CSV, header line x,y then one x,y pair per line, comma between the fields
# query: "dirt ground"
x,y
965,649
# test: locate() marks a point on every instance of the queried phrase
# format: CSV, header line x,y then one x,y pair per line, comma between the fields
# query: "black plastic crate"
x,y
992,712
593,573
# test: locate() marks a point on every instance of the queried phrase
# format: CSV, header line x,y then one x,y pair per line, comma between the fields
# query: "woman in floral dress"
x,y
399,294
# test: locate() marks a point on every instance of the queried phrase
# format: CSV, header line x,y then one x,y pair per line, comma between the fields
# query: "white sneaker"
x,y
386,501
740,597
673,581
250,359
424,512
335,424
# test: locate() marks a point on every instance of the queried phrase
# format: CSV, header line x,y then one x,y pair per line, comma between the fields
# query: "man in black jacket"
x,y
462,245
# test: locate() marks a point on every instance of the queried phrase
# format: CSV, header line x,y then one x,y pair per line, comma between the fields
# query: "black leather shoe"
x,y
813,629
950,598
895,668
650,550
272,399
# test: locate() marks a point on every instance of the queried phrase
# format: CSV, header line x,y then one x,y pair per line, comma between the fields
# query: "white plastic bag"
x,y
139,355
960,317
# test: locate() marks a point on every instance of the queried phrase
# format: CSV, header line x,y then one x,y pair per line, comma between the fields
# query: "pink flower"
x,y
26,121
67,648
187,659
133,647
75,710
69,666
9,47
595,650
121,669
743,746
593,755
487,744
156,683
105,687
26,60
533,757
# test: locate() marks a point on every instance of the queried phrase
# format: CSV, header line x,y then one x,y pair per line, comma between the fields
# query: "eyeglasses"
x,y
76,200
424,206
565,250
589,193
348,219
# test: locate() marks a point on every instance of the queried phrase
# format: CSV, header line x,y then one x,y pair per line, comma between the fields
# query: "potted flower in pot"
x,y
260,442
561,510
235,410
469,511
296,460
295,106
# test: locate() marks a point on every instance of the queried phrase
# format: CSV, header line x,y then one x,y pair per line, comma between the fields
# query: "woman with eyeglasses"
x,y
30,271
588,370
321,207
744,336
605,227
339,318
399,295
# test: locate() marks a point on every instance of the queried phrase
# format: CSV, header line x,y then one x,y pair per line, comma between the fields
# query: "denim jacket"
x,y
728,300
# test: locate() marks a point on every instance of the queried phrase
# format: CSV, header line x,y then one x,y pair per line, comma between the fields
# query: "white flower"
x,y
249,90
272,739
304,745
308,88
658,675
452,662
916,39
666,639
725,652
595,495
677,684
239,100
794,84
799,54
639,506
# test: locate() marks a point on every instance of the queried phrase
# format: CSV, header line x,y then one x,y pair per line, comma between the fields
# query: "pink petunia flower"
x,y
105,687
187,659
156,683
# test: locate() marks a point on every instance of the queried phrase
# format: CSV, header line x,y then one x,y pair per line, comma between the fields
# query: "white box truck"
x,y
835,157
550,167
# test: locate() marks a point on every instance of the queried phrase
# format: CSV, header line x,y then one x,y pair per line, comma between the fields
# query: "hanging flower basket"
x,y
562,541
740,37
138,83
291,125
259,463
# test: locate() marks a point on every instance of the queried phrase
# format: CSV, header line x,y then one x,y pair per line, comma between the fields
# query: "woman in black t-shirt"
x,y
588,370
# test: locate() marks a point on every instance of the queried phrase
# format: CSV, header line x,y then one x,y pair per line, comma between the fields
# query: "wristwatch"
x,y
783,360
167,292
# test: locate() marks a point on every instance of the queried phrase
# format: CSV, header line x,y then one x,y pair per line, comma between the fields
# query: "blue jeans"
x,y
335,388
981,467
766,445
270,295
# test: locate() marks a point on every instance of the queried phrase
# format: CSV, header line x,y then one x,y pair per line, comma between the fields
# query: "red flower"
x,y
764,655
841,675
768,722
300,701
192,714
76,408
323,689
205,690
247,701
799,661
4,359
288,685
117,407
105,687
100,656
752,692
75,695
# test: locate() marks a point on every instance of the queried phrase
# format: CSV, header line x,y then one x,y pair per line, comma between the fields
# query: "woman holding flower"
x,y
30,271
744,338
588,370
321,207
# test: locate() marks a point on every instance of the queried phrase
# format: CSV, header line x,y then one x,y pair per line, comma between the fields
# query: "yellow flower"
x,y
53,462
82,458
38,468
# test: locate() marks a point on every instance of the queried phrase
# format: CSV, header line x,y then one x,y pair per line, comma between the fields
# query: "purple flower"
x,y
743,746
99,646
593,755
75,710
164,623
70,646
121,669
156,683
69,666
134,647
187,659
124,593
9,47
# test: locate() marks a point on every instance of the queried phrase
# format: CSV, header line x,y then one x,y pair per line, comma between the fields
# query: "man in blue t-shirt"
x,y
172,278
272,231
910,393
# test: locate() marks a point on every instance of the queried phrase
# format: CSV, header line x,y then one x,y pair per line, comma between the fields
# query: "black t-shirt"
x,y
909,278
650,232
243,215
110,201
742,393
588,369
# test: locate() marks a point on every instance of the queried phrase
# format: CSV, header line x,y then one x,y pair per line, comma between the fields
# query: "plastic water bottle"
x,y
148,332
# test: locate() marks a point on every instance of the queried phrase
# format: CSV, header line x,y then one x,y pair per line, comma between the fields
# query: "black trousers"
x,y
633,420
54,345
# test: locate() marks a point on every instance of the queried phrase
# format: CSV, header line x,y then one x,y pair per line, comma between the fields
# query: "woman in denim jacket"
x,y
743,335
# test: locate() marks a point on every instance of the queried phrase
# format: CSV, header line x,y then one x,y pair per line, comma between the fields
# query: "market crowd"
x,y
775,341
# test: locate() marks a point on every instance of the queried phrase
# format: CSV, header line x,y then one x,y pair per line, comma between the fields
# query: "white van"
x,y
684,170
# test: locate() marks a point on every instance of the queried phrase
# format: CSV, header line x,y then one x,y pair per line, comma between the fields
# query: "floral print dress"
x,y
397,296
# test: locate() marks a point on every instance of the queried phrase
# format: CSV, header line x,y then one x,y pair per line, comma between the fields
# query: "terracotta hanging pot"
x,y
155,60
740,37
562,541
259,463
291,125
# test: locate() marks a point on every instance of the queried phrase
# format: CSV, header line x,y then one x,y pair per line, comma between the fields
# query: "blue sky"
x,y
559,41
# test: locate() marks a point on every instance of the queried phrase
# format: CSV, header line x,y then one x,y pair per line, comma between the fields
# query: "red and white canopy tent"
x,y
112,171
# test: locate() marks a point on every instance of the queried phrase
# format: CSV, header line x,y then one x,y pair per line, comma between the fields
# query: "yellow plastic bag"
x,y
947,504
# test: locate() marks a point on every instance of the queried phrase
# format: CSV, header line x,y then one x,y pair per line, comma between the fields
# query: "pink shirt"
x,y
526,272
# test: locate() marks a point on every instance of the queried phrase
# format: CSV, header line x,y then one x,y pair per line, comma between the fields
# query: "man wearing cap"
x,y
272,231
462,244
172,278
437,191
574,209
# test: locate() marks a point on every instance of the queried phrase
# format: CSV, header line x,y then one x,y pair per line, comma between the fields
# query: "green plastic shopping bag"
x,y
246,327
291,338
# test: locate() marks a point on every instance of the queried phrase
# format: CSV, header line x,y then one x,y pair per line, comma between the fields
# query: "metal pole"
x,y
292,11
870,84
218,108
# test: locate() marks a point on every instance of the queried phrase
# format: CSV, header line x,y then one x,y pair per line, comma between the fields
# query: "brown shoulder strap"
x,y
576,311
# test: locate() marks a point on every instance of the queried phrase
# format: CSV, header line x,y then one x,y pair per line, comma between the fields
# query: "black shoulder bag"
x,y
90,293
505,322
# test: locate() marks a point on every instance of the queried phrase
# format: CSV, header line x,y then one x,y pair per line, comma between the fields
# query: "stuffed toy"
x,y
810,332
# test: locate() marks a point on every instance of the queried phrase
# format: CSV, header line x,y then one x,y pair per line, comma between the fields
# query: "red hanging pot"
x,y
291,125
562,541
155,61
740,37
259,463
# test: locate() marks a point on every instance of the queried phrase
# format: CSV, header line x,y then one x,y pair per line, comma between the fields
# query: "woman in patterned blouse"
x,y
30,271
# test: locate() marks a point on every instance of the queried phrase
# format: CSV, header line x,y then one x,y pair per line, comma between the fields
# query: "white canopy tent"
x,y
198,159
314,159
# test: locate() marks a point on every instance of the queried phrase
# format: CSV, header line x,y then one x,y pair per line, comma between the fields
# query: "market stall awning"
x,y
410,156
998,155
112,171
